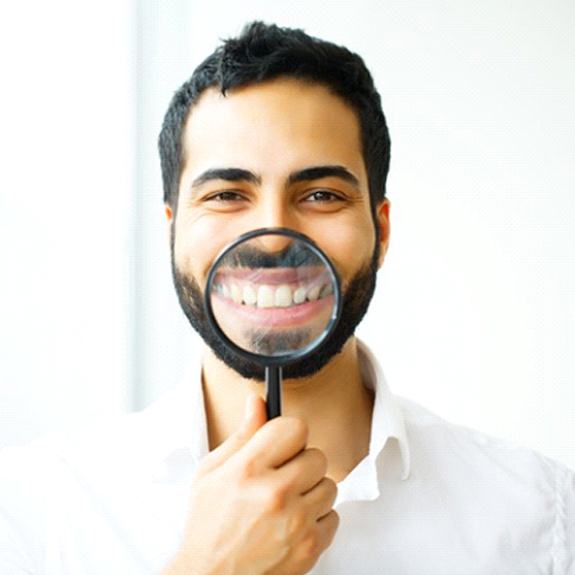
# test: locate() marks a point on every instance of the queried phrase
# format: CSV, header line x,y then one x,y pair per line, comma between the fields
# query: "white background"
x,y
475,312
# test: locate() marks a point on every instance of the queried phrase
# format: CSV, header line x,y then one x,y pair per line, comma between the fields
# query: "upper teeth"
x,y
265,296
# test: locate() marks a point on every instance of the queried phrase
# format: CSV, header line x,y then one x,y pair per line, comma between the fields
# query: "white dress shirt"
x,y
430,498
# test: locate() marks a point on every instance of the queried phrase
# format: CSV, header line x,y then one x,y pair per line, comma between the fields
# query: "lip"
x,y
273,317
273,276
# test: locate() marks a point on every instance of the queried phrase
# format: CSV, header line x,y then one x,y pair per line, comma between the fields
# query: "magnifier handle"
x,y
273,391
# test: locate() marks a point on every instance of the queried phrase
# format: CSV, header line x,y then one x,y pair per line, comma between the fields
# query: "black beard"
x,y
355,303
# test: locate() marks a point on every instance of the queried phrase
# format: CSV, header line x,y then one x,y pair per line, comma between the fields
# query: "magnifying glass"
x,y
273,297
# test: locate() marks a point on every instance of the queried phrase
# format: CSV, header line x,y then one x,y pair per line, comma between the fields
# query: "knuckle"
x,y
335,516
331,487
309,547
333,524
247,470
296,525
275,499
320,457
297,428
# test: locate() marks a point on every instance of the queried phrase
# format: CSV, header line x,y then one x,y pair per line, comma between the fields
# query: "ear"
x,y
382,222
170,219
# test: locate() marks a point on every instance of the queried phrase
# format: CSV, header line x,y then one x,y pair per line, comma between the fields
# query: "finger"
x,y
276,442
313,544
304,471
320,499
326,528
254,418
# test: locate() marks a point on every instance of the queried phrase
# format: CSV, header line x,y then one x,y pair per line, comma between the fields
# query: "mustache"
x,y
291,256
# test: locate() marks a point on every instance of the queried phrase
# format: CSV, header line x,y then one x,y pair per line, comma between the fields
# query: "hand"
x,y
260,502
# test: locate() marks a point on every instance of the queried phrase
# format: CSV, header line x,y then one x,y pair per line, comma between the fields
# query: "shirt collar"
x,y
387,419
178,421
388,448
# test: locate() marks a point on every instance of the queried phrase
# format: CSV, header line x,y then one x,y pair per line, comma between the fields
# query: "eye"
x,y
323,196
225,196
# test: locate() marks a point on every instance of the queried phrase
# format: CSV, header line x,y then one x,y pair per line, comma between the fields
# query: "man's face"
x,y
279,154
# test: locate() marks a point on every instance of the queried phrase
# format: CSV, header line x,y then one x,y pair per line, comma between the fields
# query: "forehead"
x,y
282,124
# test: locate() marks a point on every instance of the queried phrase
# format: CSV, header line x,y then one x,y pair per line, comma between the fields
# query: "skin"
x,y
273,131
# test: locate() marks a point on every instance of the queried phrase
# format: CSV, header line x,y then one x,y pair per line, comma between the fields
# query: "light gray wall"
x,y
474,315
65,230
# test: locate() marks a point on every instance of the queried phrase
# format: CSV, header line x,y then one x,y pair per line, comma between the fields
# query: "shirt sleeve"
x,y
15,498
567,517
570,523
13,558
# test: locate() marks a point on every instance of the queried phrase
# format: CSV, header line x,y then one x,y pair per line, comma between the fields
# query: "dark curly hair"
x,y
263,52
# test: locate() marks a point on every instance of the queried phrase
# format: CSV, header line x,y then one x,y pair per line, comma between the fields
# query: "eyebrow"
x,y
305,175
227,174
319,172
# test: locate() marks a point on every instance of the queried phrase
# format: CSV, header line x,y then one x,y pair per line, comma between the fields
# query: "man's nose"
x,y
276,214
273,243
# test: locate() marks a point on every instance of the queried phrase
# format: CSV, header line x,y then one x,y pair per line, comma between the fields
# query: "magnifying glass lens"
x,y
272,295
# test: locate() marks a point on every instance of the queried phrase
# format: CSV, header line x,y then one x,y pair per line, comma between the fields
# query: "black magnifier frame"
x,y
273,364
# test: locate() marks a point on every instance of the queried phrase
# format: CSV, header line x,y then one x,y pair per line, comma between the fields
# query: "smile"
x,y
273,288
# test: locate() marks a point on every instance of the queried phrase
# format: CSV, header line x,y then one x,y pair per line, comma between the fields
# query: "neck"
x,y
334,403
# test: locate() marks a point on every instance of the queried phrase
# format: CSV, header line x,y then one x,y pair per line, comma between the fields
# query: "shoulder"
x,y
502,477
472,473
63,492
110,451
431,436
46,464
61,482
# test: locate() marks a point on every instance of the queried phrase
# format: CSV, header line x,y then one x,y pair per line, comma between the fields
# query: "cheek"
x,y
196,246
350,247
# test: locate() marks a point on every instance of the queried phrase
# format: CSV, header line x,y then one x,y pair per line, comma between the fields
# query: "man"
x,y
277,129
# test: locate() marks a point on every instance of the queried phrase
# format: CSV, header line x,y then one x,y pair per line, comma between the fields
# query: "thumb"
x,y
254,417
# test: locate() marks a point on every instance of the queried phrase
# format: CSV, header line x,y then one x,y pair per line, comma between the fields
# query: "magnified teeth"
x,y
326,290
299,295
265,296
250,296
283,297
236,293
313,293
